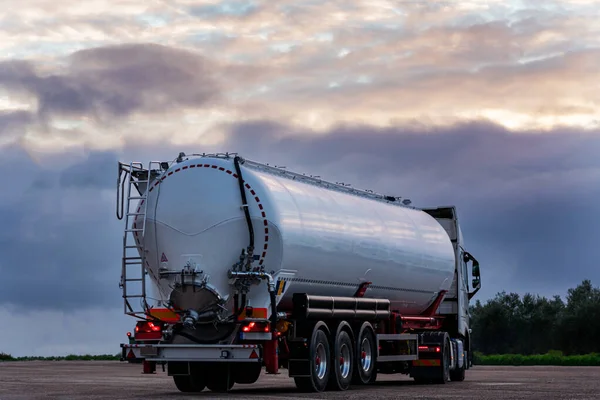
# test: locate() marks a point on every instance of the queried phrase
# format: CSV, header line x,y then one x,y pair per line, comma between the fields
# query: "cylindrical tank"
x,y
317,237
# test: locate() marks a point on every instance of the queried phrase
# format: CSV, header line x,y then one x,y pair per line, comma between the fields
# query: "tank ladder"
x,y
133,270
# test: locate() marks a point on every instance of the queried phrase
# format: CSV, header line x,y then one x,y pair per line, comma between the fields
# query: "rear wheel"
x,y
365,371
319,356
219,377
194,382
245,373
186,384
444,369
342,360
458,375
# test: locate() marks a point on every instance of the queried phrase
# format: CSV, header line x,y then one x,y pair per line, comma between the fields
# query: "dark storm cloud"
x,y
59,243
116,81
528,202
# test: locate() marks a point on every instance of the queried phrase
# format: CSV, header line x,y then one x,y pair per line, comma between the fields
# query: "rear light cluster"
x,y
435,349
256,327
148,330
147,327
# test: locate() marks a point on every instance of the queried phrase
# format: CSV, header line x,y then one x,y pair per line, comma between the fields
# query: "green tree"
x,y
533,324
580,325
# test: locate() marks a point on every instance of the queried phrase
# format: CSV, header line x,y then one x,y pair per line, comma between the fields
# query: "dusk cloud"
x,y
115,81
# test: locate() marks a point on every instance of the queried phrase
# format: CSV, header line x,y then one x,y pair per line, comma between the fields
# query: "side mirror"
x,y
475,272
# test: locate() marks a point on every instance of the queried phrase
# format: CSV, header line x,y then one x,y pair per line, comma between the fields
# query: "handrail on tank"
x,y
315,180
121,190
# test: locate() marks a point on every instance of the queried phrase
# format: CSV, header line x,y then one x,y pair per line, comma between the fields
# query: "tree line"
x,y
532,324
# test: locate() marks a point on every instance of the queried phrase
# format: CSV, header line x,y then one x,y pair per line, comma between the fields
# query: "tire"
x,y
219,377
319,361
444,369
186,384
365,370
342,361
192,383
246,373
458,375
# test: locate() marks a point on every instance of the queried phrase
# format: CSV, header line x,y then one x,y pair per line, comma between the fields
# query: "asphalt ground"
x,y
119,380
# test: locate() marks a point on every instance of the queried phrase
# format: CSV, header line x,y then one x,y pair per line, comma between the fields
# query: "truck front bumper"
x,y
249,353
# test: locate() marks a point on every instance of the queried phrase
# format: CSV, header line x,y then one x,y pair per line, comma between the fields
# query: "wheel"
x,y
365,371
186,384
219,377
342,360
244,373
194,382
444,369
319,356
458,375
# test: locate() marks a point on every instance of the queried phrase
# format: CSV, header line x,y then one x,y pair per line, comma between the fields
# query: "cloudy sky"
x,y
491,105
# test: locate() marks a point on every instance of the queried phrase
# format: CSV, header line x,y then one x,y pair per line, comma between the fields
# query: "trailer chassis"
x,y
330,343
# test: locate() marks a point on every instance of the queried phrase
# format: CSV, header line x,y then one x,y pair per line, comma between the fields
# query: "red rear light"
x,y
147,330
128,334
154,328
430,348
256,327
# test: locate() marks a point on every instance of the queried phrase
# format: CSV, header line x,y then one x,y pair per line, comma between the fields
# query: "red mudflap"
x,y
149,367
271,357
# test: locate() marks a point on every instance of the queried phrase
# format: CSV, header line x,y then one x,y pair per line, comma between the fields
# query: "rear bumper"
x,y
248,353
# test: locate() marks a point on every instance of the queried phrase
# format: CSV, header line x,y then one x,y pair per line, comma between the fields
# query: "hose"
x,y
236,162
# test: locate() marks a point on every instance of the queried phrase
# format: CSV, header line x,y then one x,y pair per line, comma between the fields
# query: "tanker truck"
x,y
234,268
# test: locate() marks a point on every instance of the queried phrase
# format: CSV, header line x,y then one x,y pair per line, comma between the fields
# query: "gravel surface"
x,y
116,380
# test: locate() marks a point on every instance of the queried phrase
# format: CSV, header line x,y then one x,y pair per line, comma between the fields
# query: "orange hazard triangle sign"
x,y
163,258
130,354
